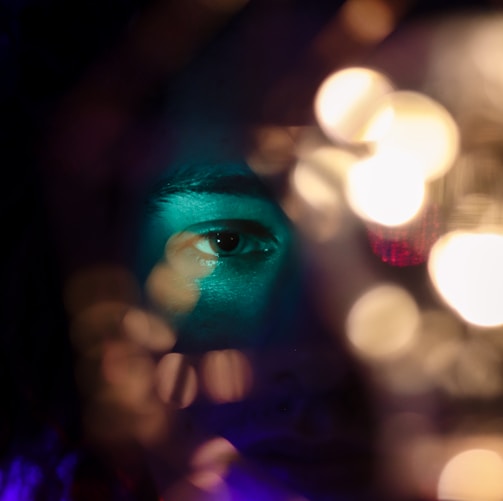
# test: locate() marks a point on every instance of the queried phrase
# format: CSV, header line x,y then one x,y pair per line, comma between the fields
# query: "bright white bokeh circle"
x,y
386,189
467,270
345,102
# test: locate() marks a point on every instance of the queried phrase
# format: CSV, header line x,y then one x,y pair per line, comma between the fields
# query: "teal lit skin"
x,y
244,287
306,422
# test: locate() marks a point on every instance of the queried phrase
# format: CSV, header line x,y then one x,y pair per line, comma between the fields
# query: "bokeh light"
x,y
314,203
472,475
148,330
152,424
129,374
420,128
425,455
93,325
447,357
314,188
467,271
226,375
346,101
383,322
409,244
176,380
172,283
411,139
439,325
368,20
475,210
413,454
403,376
465,367
172,291
210,463
386,189
273,149
184,258
465,52
484,45
99,283
21,480
333,162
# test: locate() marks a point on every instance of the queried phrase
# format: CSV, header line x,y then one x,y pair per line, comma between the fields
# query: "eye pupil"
x,y
226,241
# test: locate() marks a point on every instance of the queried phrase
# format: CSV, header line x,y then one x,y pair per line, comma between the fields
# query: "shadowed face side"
x,y
221,263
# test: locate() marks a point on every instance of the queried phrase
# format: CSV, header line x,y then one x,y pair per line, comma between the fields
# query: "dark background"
x,y
46,49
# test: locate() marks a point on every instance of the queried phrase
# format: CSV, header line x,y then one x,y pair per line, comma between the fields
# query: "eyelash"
x,y
242,237
214,243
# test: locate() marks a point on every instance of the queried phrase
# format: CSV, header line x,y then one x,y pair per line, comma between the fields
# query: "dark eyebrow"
x,y
234,179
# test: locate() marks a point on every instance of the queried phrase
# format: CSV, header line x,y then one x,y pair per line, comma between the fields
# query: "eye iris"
x,y
226,241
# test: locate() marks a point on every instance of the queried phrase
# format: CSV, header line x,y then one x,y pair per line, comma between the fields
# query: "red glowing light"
x,y
407,245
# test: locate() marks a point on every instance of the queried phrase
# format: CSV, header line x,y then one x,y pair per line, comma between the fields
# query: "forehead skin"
x,y
233,177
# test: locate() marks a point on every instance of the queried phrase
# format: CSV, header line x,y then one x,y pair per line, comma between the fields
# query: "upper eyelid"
x,y
238,225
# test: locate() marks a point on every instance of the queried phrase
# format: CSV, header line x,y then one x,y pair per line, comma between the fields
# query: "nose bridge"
x,y
306,368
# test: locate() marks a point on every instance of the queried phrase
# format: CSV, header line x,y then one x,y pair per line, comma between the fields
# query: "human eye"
x,y
223,239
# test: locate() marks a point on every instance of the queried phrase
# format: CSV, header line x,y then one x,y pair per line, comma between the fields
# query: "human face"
x,y
229,247
221,263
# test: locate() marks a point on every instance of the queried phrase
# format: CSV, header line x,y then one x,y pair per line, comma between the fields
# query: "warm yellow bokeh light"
x,y
176,380
210,463
315,202
383,322
466,368
472,475
94,325
414,455
484,68
273,149
379,123
386,189
467,270
171,290
148,330
346,101
475,210
368,20
334,162
128,374
314,188
419,127
226,375
97,284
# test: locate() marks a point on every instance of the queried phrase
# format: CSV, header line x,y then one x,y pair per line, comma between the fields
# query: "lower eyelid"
x,y
251,244
257,238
